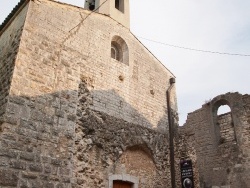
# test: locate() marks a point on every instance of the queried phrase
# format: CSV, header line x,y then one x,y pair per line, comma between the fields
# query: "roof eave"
x,y
12,15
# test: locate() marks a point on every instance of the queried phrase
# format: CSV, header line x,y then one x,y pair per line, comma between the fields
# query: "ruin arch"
x,y
223,122
223,109
137,161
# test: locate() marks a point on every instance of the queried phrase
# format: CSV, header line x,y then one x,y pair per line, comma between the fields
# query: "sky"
x,y
210,25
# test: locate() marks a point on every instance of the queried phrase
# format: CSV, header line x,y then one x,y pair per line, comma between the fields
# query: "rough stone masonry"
x,y
83,104
73,116
221,142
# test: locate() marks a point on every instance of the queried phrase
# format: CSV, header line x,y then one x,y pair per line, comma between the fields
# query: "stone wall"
x,y
76,117
61,46
9,46
226,126
37,142
74,47
221,142
185,149
106,145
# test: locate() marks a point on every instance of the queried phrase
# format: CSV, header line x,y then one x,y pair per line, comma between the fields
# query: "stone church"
x,y
83,104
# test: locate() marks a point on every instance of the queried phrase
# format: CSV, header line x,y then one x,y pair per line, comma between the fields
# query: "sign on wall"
x,y
187,179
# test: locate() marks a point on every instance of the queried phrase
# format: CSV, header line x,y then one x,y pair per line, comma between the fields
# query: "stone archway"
x,y
122,184
137,161
223,122
123,181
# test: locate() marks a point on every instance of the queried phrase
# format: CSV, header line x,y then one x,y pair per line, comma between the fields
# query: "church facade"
x,y
83,102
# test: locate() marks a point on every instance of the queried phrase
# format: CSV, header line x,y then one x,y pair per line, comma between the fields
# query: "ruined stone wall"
x,y
221,142
58,47
9,43
185,149
226,126
109,146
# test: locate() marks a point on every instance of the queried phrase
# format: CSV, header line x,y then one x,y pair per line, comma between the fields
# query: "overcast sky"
x,y
212,25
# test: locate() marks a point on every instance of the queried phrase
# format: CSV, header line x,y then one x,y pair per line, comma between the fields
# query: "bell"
x,y
91,7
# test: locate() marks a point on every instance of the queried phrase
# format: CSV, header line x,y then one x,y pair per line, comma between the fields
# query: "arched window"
x,y
115,54
223,109
119,50
124,180
224,122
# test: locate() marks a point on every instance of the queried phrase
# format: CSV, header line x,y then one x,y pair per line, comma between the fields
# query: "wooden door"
x,y
122,184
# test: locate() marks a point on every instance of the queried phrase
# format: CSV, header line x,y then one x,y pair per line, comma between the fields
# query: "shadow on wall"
x,y
109,145
55,113
110,102
45,126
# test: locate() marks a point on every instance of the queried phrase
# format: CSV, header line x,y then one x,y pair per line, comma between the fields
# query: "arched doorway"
x,y
123,181
122,184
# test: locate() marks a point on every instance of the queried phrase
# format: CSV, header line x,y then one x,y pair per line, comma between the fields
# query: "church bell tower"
x,y
116,9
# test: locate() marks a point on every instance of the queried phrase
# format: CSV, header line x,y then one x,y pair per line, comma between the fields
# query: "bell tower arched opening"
x,y
116,9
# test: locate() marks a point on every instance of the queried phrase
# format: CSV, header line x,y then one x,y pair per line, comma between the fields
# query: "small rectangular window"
x,y
91,4
117,4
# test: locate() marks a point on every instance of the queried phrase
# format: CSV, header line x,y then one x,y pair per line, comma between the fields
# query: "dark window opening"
x,y
114,52
92,5
117,4
122,184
